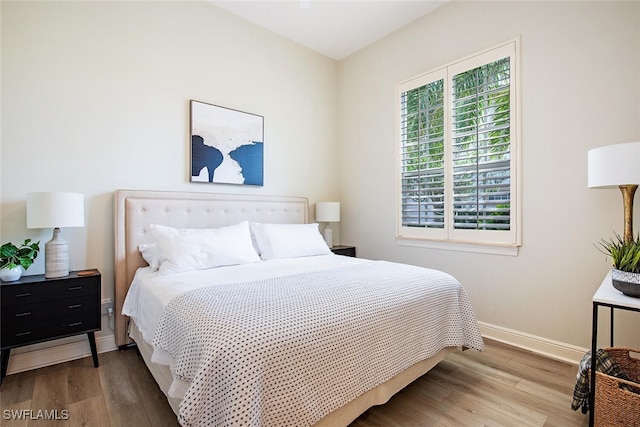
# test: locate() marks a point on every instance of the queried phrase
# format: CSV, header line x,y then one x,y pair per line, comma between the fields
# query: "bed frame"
x,y
135,210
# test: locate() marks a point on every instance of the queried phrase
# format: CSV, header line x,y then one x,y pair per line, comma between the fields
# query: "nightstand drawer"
x,y
30,333
29,313
26,293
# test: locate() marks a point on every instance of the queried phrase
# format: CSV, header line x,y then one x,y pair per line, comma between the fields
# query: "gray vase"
x,y
626,282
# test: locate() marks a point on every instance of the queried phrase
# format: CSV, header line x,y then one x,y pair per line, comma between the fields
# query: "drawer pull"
x,y
26,294
75,306
21,334
75,288
28,313
75,324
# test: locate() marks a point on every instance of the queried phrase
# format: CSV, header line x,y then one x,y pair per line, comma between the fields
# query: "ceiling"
x,y
335,28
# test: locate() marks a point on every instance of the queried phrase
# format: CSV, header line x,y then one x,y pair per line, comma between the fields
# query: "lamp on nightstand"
x,y
328,212
617,165
55,210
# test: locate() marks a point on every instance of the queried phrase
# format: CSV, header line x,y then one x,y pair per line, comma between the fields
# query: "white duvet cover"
x,y
285,342
150,292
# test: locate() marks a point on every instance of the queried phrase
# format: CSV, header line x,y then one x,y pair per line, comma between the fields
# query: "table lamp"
x,y
328,212
617,165
55,210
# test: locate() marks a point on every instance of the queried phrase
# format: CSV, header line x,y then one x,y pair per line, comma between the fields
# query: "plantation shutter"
x,y
481,147
422,156
458,151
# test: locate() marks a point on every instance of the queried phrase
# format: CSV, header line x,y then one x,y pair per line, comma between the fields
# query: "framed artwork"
x,y
226,145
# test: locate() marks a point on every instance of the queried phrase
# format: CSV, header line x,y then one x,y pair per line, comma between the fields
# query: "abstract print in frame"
x,y
226,145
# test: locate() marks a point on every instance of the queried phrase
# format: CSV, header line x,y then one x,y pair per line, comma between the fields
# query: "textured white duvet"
x,y
248,347
150,292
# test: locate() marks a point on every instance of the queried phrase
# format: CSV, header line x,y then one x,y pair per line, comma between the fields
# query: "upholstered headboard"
x,y
136,210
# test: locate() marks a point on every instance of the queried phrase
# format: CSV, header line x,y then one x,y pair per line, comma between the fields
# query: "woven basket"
x,y
615,406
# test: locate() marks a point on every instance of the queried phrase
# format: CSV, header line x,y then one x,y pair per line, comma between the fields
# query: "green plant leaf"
x,y
26,262
625,256
12,256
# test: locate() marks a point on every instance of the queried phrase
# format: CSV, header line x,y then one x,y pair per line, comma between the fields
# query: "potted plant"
x,y
14,260
625,256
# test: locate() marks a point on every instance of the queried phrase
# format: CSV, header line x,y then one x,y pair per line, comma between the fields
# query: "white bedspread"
x,y
290,350
150,292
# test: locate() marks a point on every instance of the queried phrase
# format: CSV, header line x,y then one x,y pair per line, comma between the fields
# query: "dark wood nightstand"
x,y
344,250
36,309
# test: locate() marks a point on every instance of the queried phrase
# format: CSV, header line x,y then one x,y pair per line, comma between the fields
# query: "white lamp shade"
x,y
328,211
614,165
55,210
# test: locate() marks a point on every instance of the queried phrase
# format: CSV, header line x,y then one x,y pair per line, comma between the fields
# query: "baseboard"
x,y
543,346
20,362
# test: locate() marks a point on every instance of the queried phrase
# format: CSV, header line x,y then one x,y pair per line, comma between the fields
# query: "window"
x,y
458,151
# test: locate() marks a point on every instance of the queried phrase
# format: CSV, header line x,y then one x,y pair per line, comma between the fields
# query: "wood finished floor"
x,y
502,386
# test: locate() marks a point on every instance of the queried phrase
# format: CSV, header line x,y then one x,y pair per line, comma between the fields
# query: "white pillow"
x,y
150,254
190,249
288,240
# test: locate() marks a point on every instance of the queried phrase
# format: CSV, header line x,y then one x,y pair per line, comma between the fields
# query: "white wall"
x,y
95,97
580,90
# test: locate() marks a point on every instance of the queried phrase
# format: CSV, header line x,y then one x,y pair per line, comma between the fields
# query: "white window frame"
x,y
505,242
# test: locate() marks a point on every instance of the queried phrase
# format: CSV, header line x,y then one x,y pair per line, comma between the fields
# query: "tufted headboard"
x,y
136,210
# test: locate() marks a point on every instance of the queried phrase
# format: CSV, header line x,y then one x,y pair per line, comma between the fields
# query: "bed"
x,y
356,348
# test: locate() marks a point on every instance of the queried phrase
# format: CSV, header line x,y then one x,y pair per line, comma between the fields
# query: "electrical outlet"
x,y
106,305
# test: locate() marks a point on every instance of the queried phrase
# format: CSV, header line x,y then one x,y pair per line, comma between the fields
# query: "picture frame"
x,y
226,145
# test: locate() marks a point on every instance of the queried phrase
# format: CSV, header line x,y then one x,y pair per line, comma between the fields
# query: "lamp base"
x,y
628,191
56,256
327,234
